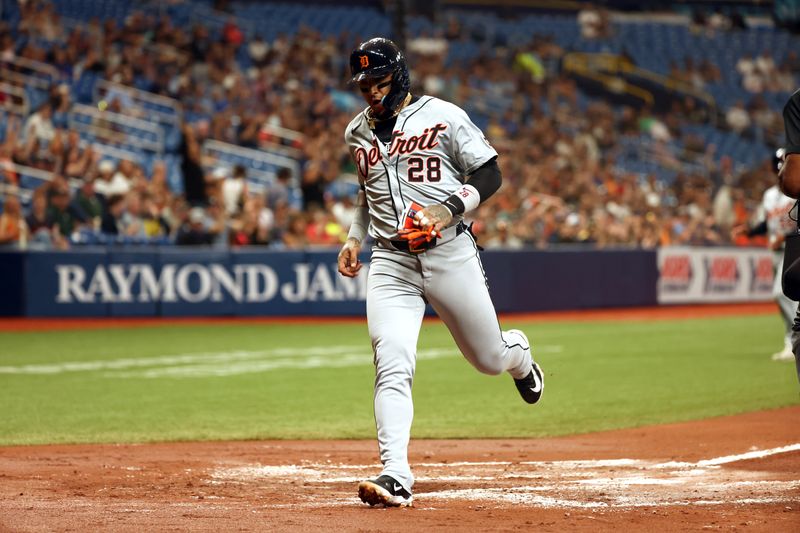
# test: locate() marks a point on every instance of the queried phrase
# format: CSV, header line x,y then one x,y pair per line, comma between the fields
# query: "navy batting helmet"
x,y
378,58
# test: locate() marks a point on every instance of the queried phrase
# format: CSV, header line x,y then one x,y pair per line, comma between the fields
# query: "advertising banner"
x,y
698,275
195,282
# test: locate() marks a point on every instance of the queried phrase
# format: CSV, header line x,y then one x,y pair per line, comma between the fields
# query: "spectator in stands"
x,y
765,65
193,231
234,189
737,118
112,217
295,235
155,225
61,102
39,125
590,21
258,49
313,185
77,161
243,228
503,237
194,186
12,222
132,223
88,204
718,21
110,182
39,224
65,217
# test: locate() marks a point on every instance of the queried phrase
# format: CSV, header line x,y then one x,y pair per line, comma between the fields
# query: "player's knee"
x,y
492,366
393,354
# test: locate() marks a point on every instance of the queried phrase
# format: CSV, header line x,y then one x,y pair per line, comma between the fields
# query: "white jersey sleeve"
x,y
776,207
470,149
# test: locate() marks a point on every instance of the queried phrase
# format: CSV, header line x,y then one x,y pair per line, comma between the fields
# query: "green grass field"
x,y
306,381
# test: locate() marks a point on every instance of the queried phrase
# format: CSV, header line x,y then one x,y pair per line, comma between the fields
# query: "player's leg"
x,y
395,309
455,285
796,342
787,310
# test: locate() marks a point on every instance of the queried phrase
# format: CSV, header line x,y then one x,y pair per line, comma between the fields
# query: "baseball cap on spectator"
x,y
220,173
196,215
106,165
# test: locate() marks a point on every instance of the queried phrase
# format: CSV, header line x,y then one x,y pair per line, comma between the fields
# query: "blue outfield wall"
x,y
203,282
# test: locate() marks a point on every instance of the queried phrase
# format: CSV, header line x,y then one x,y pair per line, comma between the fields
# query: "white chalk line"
x,y
228,363
563,484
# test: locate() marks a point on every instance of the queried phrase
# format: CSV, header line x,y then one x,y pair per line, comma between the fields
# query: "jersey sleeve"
x,y
350,143
470,147
791,123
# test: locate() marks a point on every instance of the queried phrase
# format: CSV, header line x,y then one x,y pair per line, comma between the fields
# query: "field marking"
x,y
229,363
587,484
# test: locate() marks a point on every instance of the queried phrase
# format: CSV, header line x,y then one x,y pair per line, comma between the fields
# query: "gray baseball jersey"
x,y
433,146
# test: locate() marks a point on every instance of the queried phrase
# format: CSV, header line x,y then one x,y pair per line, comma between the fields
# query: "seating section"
x,y
147,127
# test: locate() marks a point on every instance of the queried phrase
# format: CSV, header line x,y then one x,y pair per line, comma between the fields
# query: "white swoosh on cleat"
x,y
537,383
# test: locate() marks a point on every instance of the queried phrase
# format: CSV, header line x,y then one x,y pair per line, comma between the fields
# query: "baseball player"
x,y
776,223
422,164
789,183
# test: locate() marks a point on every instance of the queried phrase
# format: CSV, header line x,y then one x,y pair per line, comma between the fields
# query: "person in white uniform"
x,y
775,221
422,164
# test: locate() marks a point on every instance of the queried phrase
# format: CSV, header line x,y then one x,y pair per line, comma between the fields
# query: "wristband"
x,y
462,201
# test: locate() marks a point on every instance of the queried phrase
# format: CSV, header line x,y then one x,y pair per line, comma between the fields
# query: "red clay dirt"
x,y
737,473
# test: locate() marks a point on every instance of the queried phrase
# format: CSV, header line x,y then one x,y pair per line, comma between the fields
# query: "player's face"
x,y
373,90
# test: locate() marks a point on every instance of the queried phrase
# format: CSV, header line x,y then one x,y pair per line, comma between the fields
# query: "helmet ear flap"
x,y
401,83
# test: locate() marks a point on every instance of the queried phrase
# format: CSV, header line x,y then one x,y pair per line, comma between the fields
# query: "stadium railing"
x,y
15,99
114,128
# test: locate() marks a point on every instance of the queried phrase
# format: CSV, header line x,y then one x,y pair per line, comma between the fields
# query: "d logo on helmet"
x,y
364,61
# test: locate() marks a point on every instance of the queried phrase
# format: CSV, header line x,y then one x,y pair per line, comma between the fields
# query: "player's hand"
x,y
349,265
435,217
776,243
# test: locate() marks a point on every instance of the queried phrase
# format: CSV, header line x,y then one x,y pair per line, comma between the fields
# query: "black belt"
x,y
402,246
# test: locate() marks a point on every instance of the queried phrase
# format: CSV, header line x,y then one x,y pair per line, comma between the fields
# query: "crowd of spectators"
x,y
562,183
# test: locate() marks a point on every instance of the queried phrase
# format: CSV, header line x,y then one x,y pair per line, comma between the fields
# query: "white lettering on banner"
x,y
221,276
70,279
322,284
254,272
195,283
152,290
101,284
352,288
125,283
182,283
301,271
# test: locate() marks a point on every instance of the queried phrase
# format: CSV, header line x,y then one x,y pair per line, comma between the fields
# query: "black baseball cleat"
x,y
531,386
384,491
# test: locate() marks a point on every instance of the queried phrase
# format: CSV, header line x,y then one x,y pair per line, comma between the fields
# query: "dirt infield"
x,y
739,473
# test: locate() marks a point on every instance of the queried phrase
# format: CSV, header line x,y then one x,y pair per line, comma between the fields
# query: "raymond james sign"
x,y
212,283
195,283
